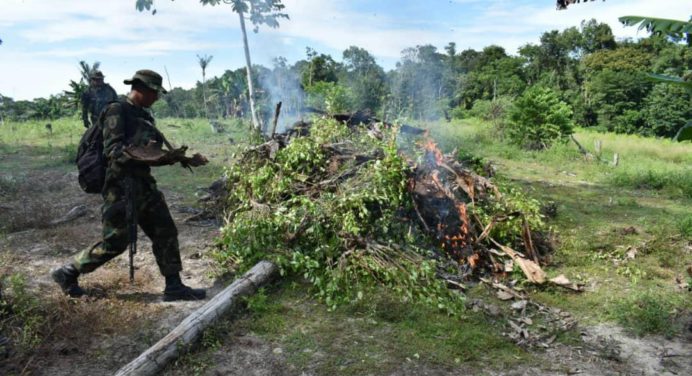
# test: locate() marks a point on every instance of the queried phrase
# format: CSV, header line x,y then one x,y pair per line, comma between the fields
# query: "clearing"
x,y
621,232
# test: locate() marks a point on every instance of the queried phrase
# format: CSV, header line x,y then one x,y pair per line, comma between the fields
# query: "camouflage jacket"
x,y
94,100
126,124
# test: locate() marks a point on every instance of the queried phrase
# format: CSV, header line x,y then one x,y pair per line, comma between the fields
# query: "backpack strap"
x,y
126,107
165,141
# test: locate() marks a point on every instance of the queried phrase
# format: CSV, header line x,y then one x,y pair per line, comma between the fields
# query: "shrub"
x,y
538,119
458,112
333,97
630,121
480,109
486,109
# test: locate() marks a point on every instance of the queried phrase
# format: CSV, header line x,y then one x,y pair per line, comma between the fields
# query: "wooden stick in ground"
x,y
582,150
277,111
171,346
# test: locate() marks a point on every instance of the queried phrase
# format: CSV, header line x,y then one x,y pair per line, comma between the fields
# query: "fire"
x,y
453,230
434,151
464,228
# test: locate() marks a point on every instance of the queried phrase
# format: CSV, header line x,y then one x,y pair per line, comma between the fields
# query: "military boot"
x,y
176,290
66,277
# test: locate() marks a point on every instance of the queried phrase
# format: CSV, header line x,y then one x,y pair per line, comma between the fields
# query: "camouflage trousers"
x,y
153,217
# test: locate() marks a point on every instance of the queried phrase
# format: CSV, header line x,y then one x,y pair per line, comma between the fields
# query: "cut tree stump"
x,y
171,346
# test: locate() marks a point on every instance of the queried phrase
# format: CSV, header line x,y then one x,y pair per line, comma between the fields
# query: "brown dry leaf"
x,y
531,270
473,260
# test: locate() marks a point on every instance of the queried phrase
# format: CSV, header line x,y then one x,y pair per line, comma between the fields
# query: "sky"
x,y
44,40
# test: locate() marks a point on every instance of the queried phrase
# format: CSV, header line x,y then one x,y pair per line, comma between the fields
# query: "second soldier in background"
x,y
95,98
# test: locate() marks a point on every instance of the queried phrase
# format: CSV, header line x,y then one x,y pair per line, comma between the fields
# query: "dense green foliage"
x,y
667,109
538,119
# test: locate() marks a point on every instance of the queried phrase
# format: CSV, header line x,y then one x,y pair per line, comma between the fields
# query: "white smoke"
x,y
282,84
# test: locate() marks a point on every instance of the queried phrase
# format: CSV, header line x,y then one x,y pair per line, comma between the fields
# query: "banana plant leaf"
x,y
685,133
671,80
674,28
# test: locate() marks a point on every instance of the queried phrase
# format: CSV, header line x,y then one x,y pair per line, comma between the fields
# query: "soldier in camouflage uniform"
x,y
129,123
95,99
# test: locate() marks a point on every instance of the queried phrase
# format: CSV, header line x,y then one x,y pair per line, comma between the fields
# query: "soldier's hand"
x,y
197,160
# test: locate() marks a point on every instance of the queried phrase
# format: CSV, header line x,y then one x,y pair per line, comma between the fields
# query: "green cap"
x,y
149,78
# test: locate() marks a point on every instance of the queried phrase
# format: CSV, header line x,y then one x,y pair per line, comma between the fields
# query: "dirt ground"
x,y
102,332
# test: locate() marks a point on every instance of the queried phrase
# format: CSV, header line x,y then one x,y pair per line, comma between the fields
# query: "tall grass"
x,y
644,163
65,131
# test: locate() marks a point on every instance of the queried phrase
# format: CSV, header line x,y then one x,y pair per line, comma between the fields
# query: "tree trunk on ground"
x,y
248,67
171,346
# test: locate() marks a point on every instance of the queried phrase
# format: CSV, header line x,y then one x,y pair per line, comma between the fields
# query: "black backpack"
x,y
90,160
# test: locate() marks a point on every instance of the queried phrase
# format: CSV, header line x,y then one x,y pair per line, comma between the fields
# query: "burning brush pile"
x,y
341,203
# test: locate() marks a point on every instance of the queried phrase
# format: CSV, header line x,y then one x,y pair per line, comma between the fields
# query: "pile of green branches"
x,y
334,207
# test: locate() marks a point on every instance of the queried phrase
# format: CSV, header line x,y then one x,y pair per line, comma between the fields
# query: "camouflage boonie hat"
x,y
149,78
96,74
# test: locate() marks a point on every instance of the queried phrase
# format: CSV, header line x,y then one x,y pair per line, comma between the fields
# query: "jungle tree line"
x,y
605,82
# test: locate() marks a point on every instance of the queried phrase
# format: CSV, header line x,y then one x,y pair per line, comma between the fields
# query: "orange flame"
x,y
431,147
464,228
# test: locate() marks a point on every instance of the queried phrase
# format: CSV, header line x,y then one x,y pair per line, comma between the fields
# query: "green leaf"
x,y
670,79
672,28
685,133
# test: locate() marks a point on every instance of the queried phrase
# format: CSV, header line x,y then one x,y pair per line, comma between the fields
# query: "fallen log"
x,y
74,213
171,346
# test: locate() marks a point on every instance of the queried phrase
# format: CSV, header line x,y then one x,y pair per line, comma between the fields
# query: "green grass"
x,y
20,314
657,165
648,312
378,334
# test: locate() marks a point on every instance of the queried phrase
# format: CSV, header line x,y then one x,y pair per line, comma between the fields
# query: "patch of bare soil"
x,y
47,219
606,350
245,355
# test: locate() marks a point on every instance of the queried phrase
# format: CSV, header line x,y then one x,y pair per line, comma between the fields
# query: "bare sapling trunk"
x,y
277,111
204,98
248,67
